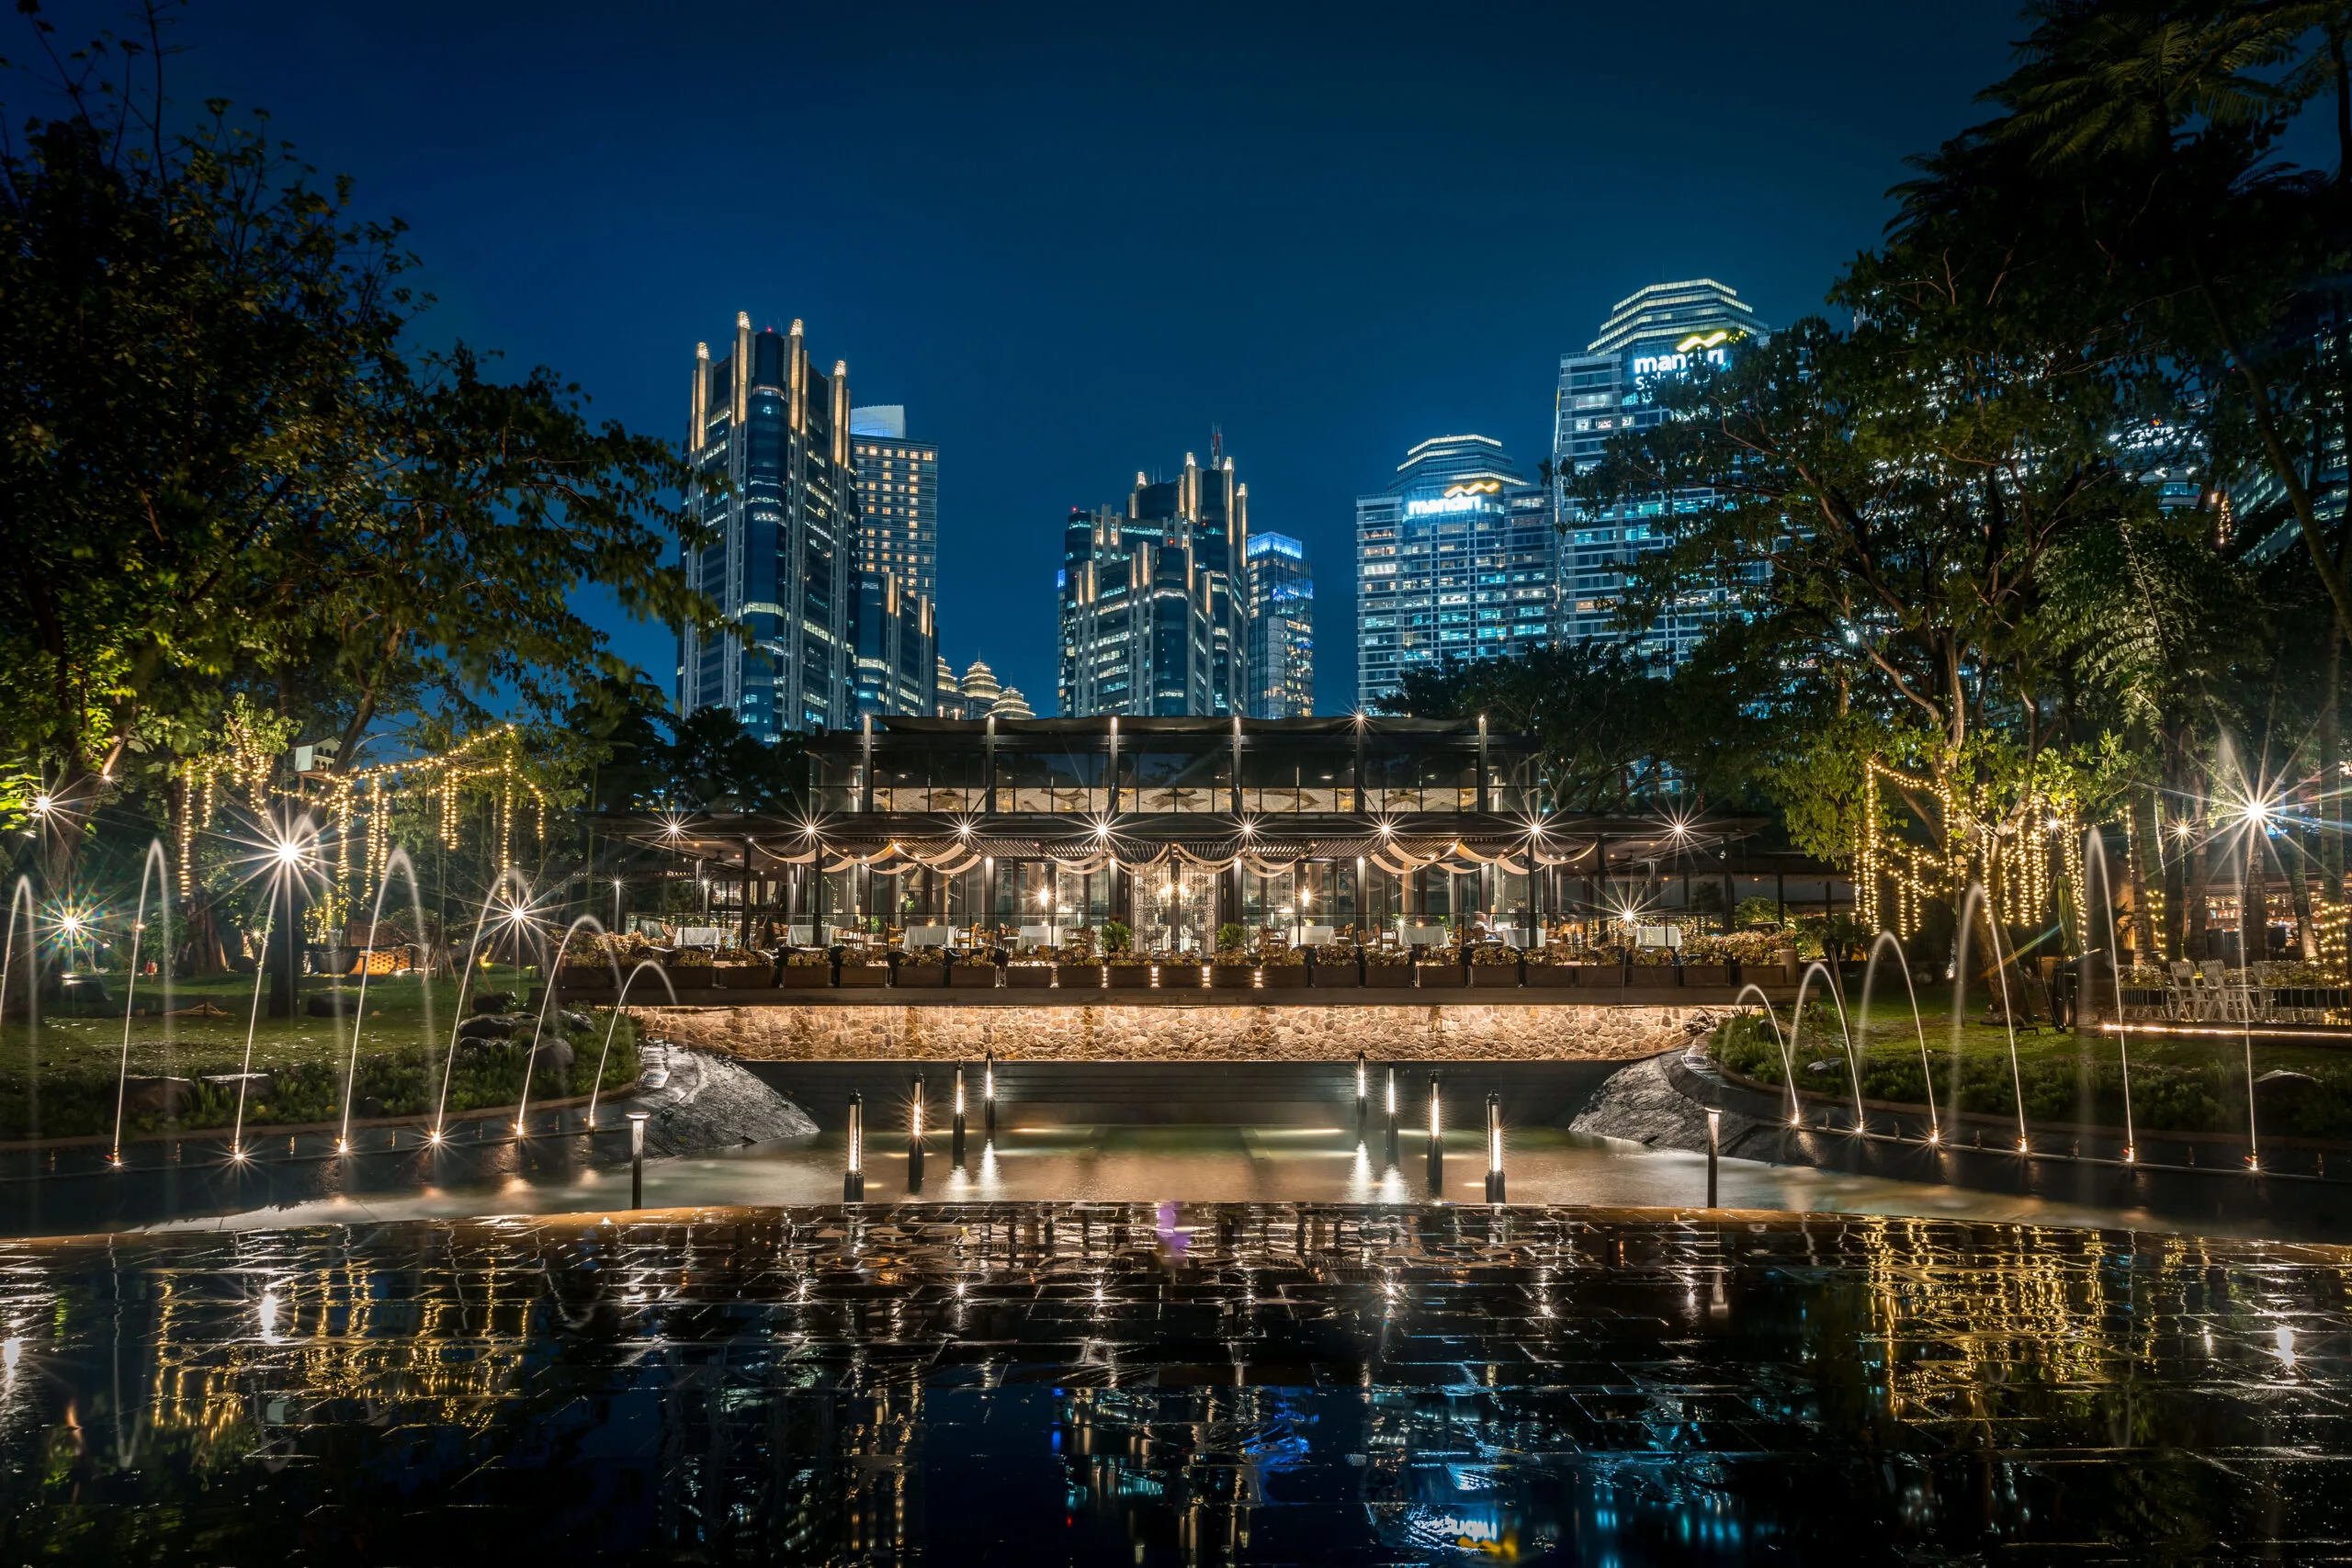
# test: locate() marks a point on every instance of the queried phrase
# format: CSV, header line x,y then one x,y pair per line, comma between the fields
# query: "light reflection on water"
x,y
1215,1164
1145,1384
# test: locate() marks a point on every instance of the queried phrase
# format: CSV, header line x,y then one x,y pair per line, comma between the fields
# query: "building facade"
x,y
898,487
1281,627
1154,600
1456,560
1658,332
898,647
783,562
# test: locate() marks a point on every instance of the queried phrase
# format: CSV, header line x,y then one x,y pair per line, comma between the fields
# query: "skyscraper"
x,y
898,647
1657,332
897,485
783,562
1155,613
1282,628
978,694
1456,560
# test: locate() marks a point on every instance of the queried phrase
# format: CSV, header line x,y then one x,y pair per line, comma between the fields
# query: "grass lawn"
x,y
2177,1085
58,1079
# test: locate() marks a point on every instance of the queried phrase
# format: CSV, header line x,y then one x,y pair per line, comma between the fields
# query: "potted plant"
x,y
1494,966
1179,970
974,970
923,967
1232,967
741,969
806,969
1036,968
1439,968
1388,969
1650,968
1280,967
690,969
1338,967
588,961
854,971
1707,960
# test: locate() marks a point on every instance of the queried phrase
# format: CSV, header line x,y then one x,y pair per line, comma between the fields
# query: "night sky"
x,y
1071,241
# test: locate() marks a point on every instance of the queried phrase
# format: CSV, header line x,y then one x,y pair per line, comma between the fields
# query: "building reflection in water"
x,y
1184,1384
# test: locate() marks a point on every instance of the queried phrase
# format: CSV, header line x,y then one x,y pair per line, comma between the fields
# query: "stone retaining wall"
x,y
1455,1031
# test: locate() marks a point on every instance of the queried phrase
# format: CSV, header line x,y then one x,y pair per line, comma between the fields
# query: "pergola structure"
x,y
1177,826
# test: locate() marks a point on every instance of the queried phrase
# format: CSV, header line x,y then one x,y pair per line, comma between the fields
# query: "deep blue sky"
x,y
1070,240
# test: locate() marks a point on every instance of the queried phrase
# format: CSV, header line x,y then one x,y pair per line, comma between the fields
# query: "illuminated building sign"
x,y
1708,348
1470,497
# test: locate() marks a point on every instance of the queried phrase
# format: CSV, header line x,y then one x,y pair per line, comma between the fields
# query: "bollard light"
x,y
1495,1149
1437,1144
1715,1147
854,1181
1392,1117
636,1120
1364,1101
914,1139
956,1133
988,1096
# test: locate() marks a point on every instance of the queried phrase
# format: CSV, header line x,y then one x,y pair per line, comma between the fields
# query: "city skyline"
x,y
940,265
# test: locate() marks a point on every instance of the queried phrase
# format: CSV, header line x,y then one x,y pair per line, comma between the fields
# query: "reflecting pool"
x,y
1139,1384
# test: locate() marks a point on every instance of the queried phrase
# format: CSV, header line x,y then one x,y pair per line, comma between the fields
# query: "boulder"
x,y
336,1003
1823,1067
257,1086
553,1054
490,1001
156,1096
487,1026
577,1022
2281,1087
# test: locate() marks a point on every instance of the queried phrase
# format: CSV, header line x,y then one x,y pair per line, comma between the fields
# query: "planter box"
x,y
932,976
690,977
871,977
1233,976
1652,977
1337,978
1711,975
1038,976
806,976
1392,976
1494,977
1129,976
745,977
1438,977
1179,976
1285,976
976,976
1080,976
584,977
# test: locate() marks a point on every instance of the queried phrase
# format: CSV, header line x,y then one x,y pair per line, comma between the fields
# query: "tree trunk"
x,y
2192,904
2331,755
2147,838
2254,909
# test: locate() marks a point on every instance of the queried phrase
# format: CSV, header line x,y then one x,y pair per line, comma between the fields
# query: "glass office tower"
x,y
784,561
1456,560
1282,628
1657,332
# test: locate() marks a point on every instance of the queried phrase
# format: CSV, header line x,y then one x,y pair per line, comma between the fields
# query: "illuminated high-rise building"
x,y
897,485
1457,559
1155,608
1282,628
783,559
1654,335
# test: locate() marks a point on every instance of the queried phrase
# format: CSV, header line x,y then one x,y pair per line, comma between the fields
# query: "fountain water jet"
x,y
23,894
397,861
1788,1068
1975,899
1927,1074
620,1001
155,863
466,978
547,1000
2095,854
245,1071
1845,1027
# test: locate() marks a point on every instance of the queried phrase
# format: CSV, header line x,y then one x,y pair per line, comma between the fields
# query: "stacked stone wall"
x,y
1450,1032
